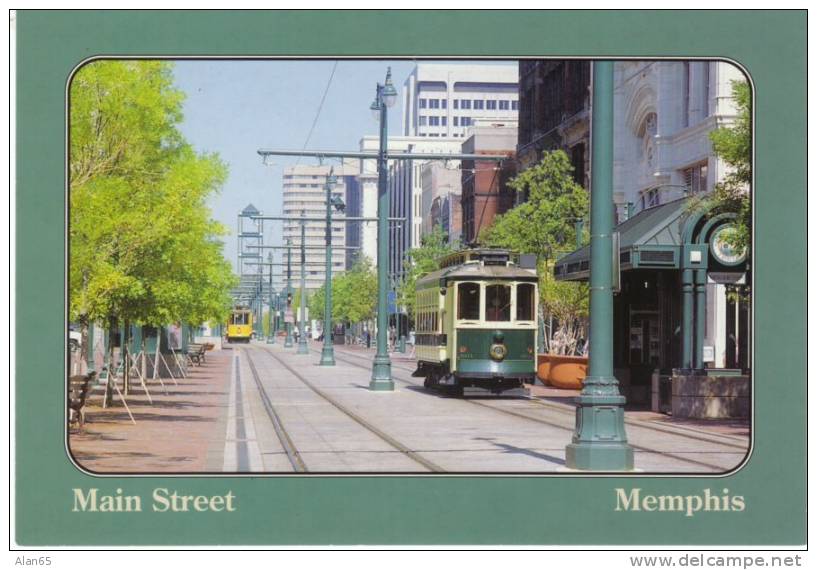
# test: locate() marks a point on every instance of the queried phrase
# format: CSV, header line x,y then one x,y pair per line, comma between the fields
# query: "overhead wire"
x,y
320,107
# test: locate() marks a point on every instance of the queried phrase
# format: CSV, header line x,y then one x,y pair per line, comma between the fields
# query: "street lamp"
x,y
270,331
599,440
385,97
303,347
288,316
328,352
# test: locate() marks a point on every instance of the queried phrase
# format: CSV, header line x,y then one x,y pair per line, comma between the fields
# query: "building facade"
x,y
684,301
554,113
440,199
485,191
304,192
444,99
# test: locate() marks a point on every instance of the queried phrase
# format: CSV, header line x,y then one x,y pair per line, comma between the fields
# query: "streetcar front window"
x,y
239,319
498,303
524,302
468,301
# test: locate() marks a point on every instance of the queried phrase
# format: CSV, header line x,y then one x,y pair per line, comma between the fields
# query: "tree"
x,y
354,293
143,246
421,261
733,144
545,225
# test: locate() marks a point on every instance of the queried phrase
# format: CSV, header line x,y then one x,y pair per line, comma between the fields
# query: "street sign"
x,y
391,299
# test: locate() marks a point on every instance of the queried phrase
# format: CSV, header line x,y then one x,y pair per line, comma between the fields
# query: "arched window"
x,y
498,303
468,301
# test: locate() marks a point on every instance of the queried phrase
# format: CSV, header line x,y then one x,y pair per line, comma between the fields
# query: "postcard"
x,y
404,287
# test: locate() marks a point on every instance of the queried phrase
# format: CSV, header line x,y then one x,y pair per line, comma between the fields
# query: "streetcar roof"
x,y
478,272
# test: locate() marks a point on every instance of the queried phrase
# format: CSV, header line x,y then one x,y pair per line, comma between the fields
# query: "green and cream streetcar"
x,y
476,322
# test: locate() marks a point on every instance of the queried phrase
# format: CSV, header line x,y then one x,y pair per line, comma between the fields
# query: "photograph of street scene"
x,y
409,266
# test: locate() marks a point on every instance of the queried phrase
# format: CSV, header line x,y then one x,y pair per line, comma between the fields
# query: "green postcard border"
x,y
415,510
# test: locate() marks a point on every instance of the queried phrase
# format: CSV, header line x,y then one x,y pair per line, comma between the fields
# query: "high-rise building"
x,y
554,113
444,99
305,193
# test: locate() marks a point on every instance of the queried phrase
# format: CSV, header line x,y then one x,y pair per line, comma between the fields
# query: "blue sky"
x,y
234,108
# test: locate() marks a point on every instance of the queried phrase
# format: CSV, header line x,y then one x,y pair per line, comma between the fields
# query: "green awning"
x,y
651,238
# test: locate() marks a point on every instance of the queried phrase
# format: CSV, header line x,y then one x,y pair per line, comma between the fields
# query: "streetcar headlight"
x,y
498,352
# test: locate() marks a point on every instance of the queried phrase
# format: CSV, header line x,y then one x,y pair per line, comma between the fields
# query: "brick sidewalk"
x,y
176,433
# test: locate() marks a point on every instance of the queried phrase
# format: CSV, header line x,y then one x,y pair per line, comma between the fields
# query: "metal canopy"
x,y
650,239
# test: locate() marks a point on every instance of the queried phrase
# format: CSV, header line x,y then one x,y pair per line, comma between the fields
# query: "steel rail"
x,y
408,452
719,468
291,451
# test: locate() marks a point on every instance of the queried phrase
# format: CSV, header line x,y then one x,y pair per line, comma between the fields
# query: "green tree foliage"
x,y
733,144
315,303
143,246
545,225
354,293
421,261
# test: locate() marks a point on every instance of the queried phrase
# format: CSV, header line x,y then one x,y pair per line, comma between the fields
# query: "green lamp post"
x,y
288,325
599,440
328,351
303,347
270,316
385,97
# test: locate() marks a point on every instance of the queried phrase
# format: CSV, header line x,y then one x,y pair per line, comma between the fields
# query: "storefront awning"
x,y
650,239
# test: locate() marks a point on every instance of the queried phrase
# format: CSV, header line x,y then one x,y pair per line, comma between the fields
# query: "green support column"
x,y
700,318
687,301
89,349
381,369
599,440
270,315
328,351
303,347
287,325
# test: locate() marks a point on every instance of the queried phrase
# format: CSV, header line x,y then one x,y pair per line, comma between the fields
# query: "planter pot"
x,y
559,371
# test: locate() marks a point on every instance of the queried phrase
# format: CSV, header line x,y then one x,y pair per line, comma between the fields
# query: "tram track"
x,y
292,453
396,444
570,429
716,439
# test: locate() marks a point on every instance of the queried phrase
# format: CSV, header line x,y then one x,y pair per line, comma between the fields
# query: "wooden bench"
x,y
195,353
78,388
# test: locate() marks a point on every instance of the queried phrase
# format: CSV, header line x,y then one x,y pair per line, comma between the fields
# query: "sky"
x,y
233,108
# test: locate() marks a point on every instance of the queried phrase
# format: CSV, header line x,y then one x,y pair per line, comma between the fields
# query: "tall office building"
x,y
444,99
305,192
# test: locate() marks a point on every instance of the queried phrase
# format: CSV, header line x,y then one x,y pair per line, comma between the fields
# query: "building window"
x,y
695,178
504,105
465,103
514,105
491,105
422,121
444,121
433,103
434,121
456,103
479,104
444,103
650,198
465,121
422,103
456,121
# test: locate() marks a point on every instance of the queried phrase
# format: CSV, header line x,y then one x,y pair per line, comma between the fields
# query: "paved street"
x,y
261,408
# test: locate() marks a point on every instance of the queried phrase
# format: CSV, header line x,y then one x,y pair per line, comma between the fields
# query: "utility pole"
x,y
270,317
599,440
303,347
287,323
328,352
